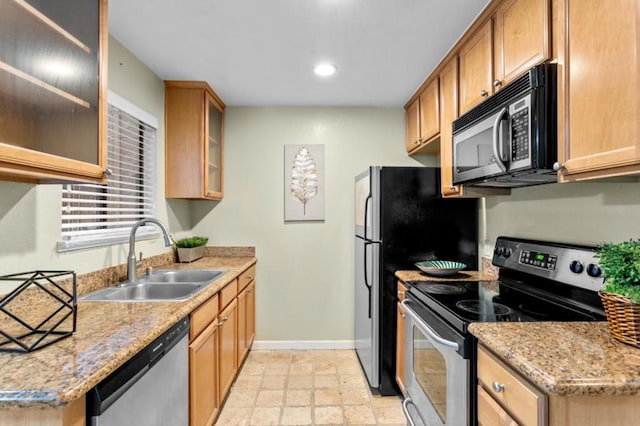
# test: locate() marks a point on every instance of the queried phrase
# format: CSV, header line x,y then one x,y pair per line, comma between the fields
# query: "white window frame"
x,y
76,236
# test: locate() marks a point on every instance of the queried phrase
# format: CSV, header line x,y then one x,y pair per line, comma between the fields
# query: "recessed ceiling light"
x,y
325,70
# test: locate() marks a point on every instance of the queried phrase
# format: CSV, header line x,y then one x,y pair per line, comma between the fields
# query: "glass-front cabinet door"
x,y
214,146
52,80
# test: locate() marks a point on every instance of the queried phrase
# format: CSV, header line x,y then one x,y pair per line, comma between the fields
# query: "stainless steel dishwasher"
x,y
150,389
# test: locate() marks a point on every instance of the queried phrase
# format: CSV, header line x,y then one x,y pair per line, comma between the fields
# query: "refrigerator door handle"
x,y
366,281
366,223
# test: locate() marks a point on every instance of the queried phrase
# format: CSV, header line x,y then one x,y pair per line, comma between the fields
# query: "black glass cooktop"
x,y
463,302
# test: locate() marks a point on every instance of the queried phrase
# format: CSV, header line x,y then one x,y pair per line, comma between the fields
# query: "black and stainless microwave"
x,y
510,139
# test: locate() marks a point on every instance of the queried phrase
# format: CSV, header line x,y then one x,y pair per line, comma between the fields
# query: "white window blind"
x,y
98,215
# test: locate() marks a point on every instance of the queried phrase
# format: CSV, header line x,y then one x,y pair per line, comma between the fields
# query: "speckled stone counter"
x,y
107,335
567,358
460,276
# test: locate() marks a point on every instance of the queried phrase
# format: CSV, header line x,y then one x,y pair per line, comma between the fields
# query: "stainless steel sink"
x,y
182,276
164,285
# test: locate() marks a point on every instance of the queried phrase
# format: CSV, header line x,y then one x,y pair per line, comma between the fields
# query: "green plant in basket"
x,y
620,263
191,242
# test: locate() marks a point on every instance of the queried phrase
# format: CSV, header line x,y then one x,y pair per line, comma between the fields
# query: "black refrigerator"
x,y
400,219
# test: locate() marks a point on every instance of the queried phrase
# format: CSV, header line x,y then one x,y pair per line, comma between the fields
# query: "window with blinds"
x,y
97,215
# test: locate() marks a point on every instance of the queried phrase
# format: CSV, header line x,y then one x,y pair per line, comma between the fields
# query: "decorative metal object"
x,y
42,310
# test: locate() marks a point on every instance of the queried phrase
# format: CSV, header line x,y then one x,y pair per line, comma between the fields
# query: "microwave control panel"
x,y
520,135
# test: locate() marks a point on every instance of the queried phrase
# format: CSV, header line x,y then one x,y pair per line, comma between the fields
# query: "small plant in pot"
x,y
620,295
191,248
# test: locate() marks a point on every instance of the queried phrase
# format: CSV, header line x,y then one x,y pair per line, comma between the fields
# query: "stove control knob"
x,y
498,251
507,252
594,270
576,267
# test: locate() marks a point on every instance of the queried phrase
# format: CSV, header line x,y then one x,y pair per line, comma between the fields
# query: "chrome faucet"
x,y
131,261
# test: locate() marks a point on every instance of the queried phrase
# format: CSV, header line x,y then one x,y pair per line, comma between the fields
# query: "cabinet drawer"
x,y
490,413
246,277
522,400
228,293
203,316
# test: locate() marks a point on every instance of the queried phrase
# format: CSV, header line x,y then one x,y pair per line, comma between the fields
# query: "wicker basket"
x,y
623,318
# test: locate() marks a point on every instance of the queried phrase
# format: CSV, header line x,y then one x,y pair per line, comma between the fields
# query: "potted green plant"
x,y
620,263
191,248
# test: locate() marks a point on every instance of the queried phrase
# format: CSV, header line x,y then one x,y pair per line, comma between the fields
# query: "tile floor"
x,y
314,387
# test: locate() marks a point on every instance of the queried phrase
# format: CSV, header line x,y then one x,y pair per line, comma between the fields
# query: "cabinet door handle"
x,y
557,166
107,172
225,319
220,324
498,387
416,142
250,290
484,93
497,83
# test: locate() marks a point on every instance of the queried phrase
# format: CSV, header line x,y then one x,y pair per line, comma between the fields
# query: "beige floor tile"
x,y
252,369
324,368
355,396
325,355
327,397
274,382
234,416
331,415
300,382
239,397
359,415
270,398
265,416
301,356
325,381
298,397
276,369
351,381
385,401
259,356
388,414
280,356
348,367
301,369
296,416
248,382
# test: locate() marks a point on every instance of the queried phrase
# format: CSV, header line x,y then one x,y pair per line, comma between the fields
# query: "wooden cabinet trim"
x,y
203,377
228,294
490,413
246,277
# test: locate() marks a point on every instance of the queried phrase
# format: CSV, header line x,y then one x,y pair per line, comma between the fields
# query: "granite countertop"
x,y
565,358
417,275
107,335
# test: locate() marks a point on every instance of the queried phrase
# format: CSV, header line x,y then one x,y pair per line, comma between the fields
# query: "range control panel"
x,y
565,263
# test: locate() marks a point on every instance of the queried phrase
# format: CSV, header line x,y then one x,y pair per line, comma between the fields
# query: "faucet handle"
x,y
139,262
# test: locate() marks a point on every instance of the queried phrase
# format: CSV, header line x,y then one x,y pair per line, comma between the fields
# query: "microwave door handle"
x,y
497,142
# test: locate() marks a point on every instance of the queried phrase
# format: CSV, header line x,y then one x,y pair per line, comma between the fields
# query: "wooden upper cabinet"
x,y
423,120
194,147
53,90
476,68
448,112
598,98
522,38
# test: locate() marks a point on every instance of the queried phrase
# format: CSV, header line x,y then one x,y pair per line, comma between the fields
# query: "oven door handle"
x,y
405,408
497,144
423,325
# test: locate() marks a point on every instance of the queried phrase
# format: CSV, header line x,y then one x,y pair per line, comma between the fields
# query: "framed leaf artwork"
x,y
303,182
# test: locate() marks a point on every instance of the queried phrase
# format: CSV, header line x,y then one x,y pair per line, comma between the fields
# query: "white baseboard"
x,y
302,344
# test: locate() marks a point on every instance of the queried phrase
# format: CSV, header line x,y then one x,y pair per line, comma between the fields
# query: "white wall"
x,y
305,269
583,213
30,214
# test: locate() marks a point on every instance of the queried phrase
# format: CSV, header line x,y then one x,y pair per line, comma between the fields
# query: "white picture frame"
x,y
304,191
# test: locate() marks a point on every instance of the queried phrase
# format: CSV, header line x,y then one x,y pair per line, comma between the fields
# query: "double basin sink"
x,y
160,286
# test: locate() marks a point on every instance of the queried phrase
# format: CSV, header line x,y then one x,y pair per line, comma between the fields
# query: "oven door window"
x,y
430,370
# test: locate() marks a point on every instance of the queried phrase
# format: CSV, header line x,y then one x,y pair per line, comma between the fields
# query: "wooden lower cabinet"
x,y
507,398
228,362
203,386
246,321
400,344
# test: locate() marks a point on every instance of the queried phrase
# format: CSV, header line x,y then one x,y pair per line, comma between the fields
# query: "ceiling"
x,y
262,52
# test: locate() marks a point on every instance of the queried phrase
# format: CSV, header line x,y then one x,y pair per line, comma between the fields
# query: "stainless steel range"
x,y
538,281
